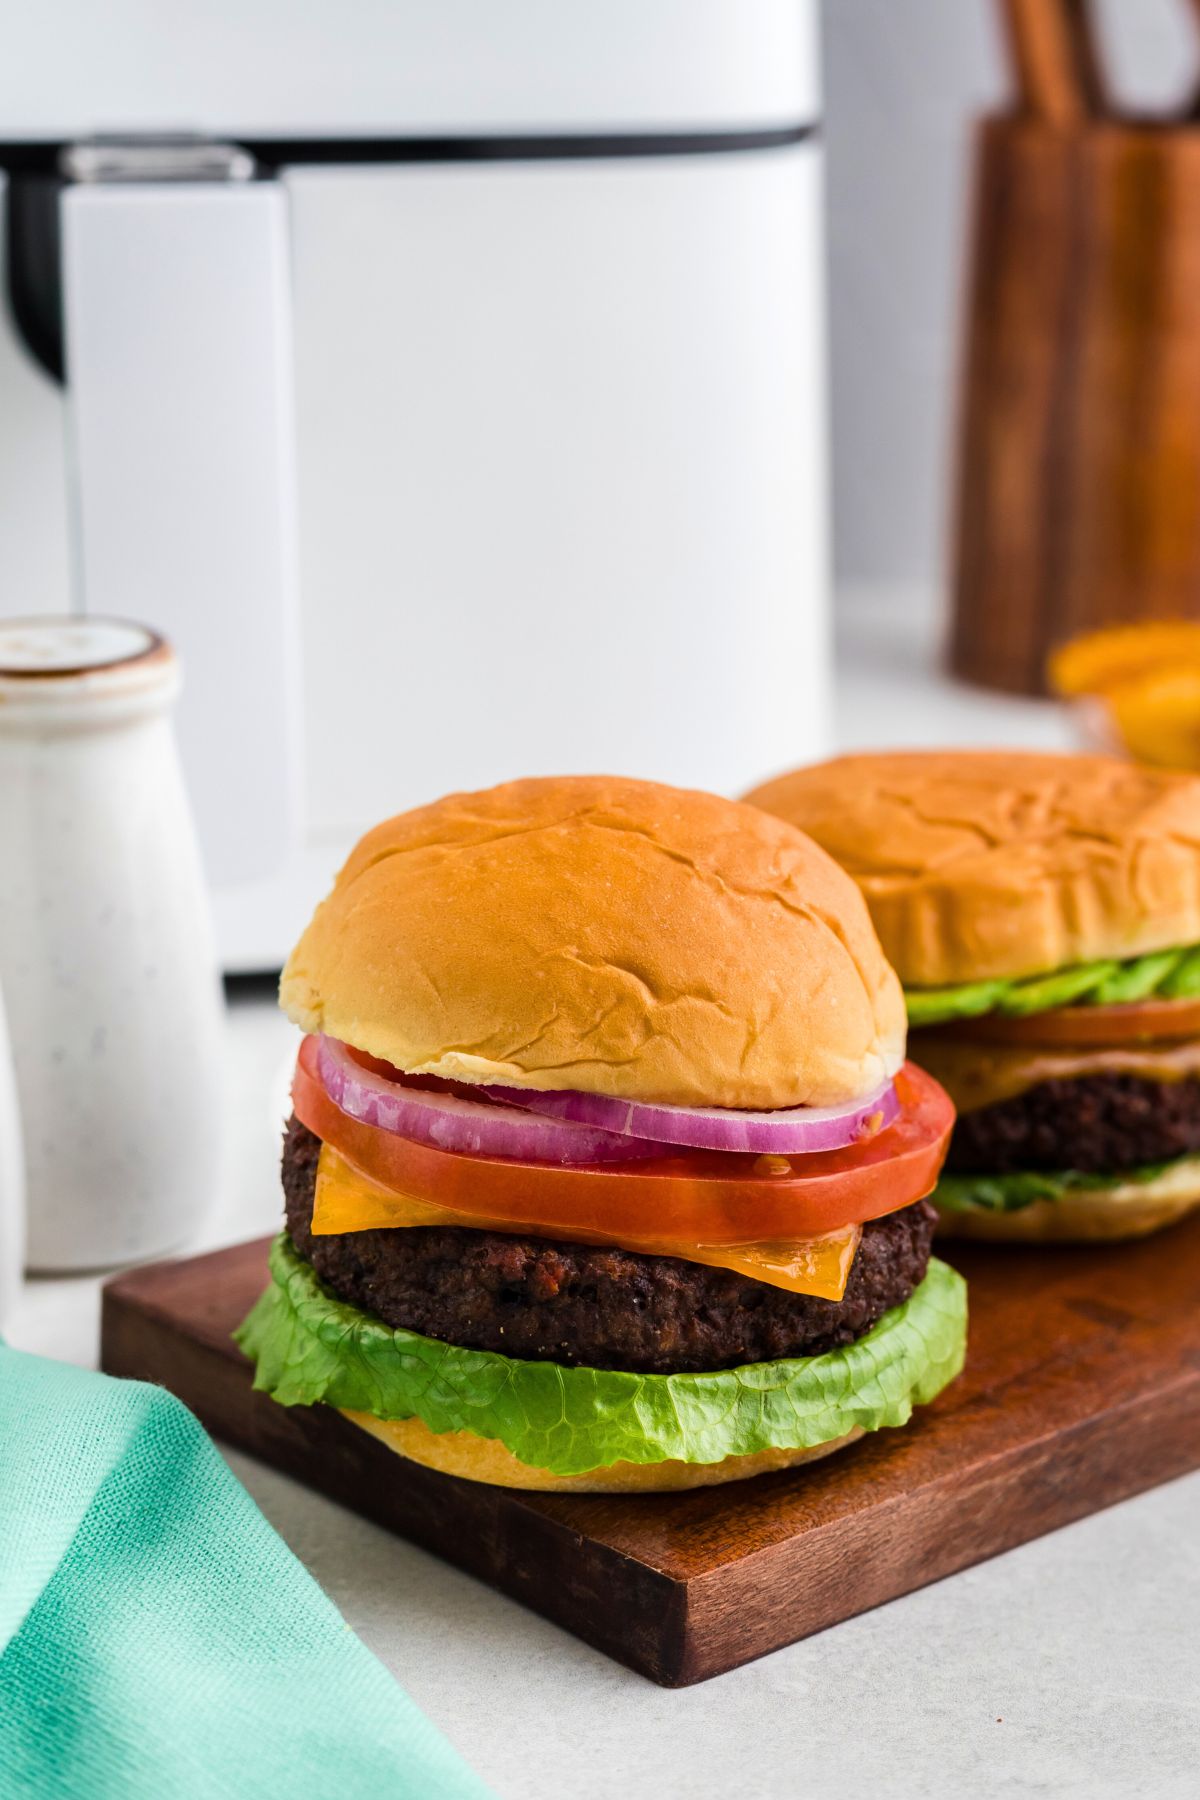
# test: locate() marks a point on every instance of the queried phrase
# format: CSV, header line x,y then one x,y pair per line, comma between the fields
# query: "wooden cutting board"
x,y
1082,1387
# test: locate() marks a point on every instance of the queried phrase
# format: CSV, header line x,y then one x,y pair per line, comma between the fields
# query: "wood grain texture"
x,y
1082,1387
1078,498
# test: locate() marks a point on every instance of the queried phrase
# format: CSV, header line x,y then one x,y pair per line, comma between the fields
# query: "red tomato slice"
x,y
706,1197
1137,1022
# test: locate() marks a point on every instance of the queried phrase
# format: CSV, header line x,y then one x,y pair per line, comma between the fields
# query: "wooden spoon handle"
x,y
1052,44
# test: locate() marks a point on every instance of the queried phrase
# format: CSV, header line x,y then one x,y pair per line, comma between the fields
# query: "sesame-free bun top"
x,y
606,934
982,864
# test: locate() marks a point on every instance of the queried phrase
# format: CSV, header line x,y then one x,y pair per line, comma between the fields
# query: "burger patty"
x,y
601,1308
1098,1124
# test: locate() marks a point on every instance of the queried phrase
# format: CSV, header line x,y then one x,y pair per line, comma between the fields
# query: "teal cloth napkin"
x,y
157,1637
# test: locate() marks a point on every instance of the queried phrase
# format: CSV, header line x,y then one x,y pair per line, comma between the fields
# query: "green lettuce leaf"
x,y
1011,1193
1138,978
1183,982
310,1346
1165,974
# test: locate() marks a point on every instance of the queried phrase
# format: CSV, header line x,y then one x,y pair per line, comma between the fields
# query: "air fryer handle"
x,y
177,324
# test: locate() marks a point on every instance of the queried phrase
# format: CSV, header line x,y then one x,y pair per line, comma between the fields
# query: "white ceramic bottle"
x,y
106,952
12,1185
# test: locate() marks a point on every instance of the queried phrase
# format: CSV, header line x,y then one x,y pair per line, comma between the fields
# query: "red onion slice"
x,y
482,1127
789,1132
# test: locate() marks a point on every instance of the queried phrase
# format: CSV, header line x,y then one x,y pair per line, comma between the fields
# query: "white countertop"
x,y
1068,1667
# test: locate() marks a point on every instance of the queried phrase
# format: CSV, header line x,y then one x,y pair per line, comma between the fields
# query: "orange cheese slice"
x,y
976,1074
348,1200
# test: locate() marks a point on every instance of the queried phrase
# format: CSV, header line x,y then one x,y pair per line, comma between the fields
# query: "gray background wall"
x,y
903,79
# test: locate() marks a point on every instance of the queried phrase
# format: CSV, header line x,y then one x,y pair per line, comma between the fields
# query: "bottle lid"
x,y
82,666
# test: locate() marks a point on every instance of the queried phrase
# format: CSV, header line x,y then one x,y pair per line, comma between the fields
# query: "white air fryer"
x,y
452,396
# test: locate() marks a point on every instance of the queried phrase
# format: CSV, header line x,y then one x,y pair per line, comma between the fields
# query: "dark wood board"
x,y
1082,1387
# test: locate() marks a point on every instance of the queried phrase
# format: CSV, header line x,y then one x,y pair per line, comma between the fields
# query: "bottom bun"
x,y
1087,1215
488,1460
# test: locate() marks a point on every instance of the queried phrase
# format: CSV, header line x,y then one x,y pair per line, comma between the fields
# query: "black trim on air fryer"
x,y
33,264
41,157
278,153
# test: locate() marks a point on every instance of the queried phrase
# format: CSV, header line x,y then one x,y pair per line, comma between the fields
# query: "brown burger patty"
x,y
1097,1124
578,1305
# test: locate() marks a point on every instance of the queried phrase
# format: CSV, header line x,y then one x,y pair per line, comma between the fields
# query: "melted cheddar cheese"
x,y
348,1200
977,1074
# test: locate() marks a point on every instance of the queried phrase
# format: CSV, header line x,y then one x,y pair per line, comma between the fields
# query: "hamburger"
x,y
1043,914
605,1170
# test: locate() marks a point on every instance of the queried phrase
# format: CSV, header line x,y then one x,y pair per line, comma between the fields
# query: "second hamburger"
x,y
1043,913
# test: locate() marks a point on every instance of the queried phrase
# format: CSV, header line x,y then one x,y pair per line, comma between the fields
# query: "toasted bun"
x,y
488,1460
1086,1216
604,934
979,864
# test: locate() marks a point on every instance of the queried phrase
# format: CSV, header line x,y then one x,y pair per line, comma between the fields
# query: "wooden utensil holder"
x,y
1078,500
